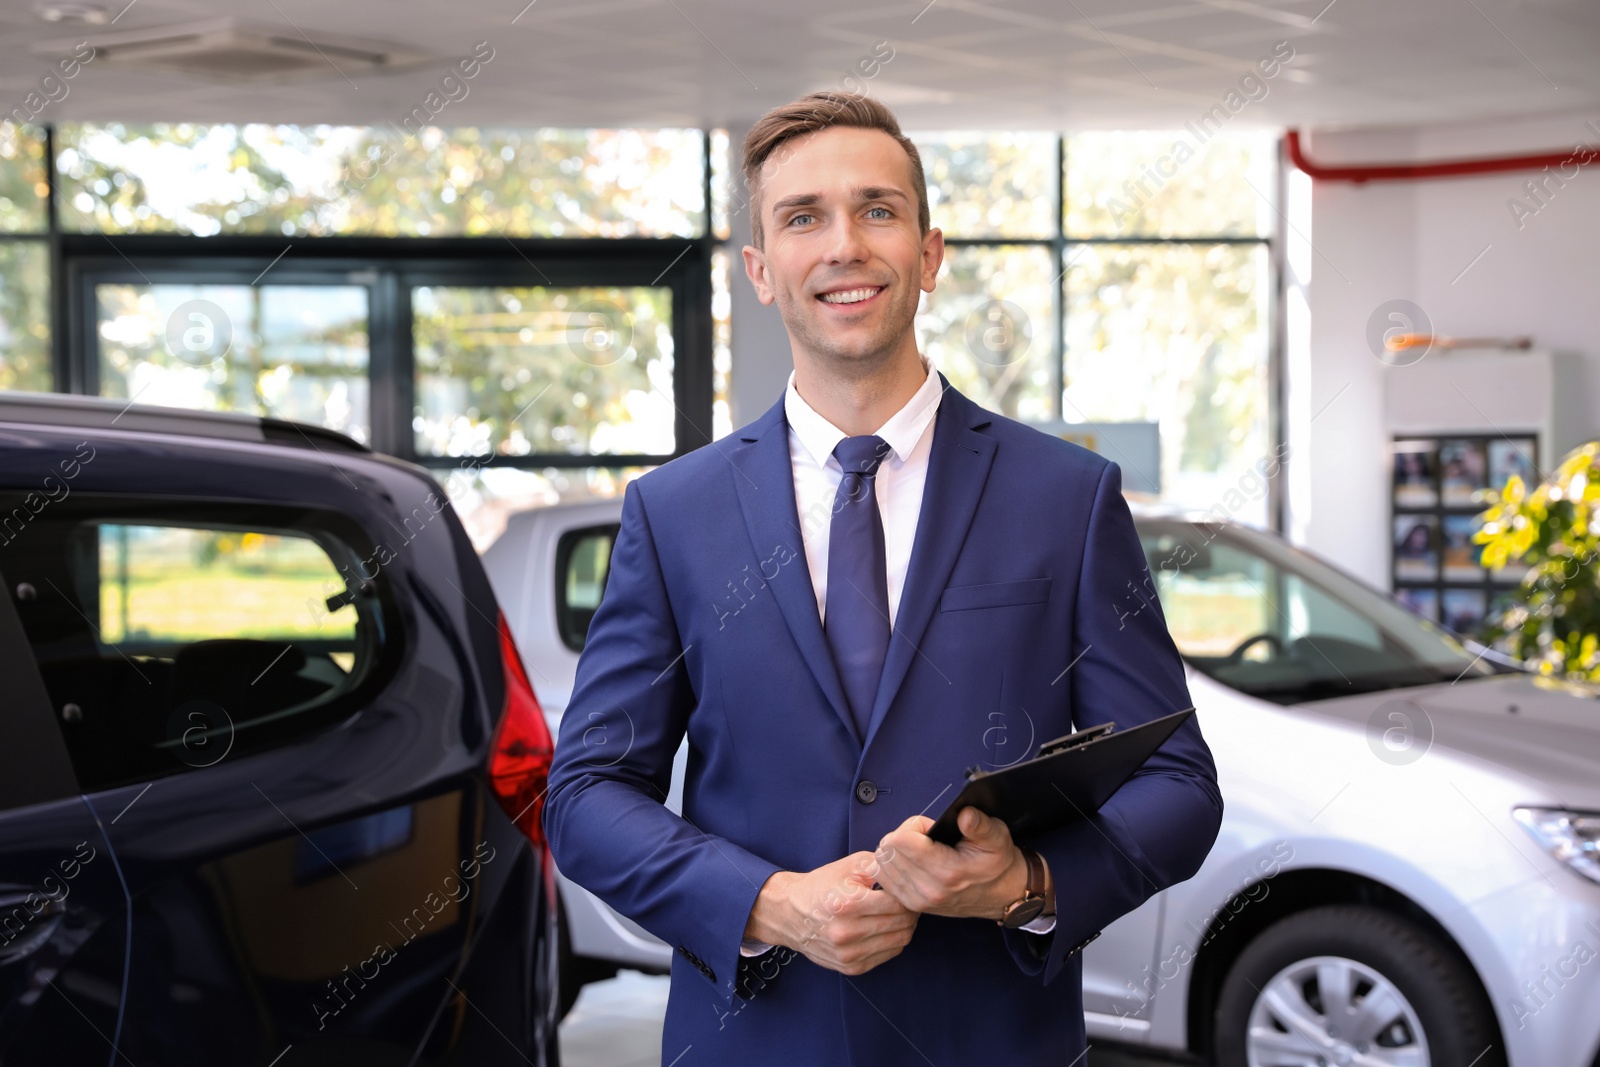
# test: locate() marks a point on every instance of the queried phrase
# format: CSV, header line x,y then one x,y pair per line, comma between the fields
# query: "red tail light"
x,y
519,762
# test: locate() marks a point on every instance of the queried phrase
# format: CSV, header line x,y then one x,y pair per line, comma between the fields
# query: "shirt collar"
x,y
901,433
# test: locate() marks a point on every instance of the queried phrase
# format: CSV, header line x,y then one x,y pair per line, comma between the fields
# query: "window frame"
x,y
389,267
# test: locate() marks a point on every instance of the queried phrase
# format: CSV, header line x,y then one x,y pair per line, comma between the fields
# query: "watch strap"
x,y
1027,907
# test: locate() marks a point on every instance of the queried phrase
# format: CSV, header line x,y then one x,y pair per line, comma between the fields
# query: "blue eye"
x,y
797,218
885,210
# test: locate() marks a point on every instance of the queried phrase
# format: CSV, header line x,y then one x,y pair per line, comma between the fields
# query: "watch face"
x,y
1022,912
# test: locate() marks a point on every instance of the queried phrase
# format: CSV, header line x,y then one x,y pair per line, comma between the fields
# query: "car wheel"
x,y
1343,985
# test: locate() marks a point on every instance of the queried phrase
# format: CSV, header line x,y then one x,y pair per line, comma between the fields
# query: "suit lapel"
x,y
764,478
958,467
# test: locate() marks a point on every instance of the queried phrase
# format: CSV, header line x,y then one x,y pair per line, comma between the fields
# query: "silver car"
x,y
1408,871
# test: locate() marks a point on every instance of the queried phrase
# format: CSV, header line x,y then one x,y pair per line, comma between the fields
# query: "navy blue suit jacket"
x,y
1026,609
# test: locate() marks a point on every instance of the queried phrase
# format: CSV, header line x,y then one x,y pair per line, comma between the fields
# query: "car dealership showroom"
x,y
1138,592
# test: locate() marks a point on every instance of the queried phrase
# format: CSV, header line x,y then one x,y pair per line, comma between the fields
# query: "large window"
x,y
515,371
24,260
1117,283
284,351
332,180
541,314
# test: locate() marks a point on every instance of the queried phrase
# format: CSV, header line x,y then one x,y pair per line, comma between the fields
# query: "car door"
x,y
296,828
63,911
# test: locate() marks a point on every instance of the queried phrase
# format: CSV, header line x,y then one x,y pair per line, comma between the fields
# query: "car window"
x,y
1213,609
583,560
171,636
1258,616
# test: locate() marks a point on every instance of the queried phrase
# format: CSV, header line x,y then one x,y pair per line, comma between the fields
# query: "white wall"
x,y
1415,240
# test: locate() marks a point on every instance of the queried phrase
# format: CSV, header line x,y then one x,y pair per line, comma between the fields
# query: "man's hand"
x,y
833,916
977,878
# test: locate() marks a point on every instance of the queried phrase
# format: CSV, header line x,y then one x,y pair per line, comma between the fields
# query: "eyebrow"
x,y
879,192
864,192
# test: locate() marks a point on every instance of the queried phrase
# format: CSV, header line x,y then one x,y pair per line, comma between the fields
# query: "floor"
x,y
618,1024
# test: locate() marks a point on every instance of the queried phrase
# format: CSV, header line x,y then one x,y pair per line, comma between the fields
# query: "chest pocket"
x,y
996,594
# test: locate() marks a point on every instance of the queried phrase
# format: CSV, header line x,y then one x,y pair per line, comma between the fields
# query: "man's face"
x,y
843,258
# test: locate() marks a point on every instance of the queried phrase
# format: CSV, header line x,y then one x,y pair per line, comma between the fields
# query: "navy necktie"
x,y
856,622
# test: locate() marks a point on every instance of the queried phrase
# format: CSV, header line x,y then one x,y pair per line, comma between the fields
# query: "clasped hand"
x,y
834,917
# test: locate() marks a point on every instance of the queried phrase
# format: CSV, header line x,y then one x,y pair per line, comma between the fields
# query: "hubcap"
x,y
1329,1011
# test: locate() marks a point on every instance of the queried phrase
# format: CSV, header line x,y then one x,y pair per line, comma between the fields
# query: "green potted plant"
x,y
1553,623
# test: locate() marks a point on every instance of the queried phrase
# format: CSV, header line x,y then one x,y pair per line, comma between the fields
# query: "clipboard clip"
x,y
1074,739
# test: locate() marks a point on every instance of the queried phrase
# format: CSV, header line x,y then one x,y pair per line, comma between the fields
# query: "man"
x,y
838,605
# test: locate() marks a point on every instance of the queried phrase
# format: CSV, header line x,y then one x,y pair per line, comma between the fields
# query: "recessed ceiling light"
x,y
92,14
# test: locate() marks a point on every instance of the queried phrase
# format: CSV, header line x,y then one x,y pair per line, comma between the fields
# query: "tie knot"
x,y
861,455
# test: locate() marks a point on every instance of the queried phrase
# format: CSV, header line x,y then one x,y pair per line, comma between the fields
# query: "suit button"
x,y
866,791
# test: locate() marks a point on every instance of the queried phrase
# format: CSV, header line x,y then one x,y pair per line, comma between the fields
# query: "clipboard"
x,y
1068,780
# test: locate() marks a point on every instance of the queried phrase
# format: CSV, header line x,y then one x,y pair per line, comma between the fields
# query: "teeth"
x,y
849,296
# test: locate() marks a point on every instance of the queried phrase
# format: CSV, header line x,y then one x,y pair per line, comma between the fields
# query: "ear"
x,y
932,257
755,267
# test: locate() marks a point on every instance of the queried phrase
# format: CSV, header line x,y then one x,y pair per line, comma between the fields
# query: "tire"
x,y
1427,1007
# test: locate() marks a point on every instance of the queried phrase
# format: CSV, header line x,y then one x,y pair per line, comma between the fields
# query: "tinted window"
x,y
171,636
583,559
1256,615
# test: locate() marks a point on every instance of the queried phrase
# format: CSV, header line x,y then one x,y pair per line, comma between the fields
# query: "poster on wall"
x,y
1462,610
1506,459
1440,489
1415,467
1463,473
1415,538
1461,557
1424,602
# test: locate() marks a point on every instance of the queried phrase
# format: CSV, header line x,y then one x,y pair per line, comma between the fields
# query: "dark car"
x,y
271,775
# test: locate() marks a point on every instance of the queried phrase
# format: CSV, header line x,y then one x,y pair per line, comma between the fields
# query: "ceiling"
x,y
1046,64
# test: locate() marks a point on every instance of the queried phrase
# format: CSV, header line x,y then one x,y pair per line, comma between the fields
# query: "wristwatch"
x,y
1027,907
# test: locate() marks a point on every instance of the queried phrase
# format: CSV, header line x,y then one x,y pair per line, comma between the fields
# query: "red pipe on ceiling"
x,y
1364,172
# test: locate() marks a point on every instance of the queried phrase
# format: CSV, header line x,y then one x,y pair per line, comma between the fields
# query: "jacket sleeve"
x,y
1157,829
605,813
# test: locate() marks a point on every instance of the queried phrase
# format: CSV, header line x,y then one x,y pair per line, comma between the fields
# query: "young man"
x,y
836,605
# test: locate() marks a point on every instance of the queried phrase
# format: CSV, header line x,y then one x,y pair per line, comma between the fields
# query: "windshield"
x,y
1259,616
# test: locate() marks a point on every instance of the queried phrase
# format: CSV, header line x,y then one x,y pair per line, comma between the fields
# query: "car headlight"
x,y
1573,837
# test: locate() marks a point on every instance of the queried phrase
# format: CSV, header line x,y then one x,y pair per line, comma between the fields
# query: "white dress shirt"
x,y
898,485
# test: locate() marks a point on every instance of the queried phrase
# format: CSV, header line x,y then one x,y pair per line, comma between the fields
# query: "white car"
x,y
1408,871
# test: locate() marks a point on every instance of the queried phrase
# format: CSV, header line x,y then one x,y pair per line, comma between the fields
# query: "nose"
x,y
845,242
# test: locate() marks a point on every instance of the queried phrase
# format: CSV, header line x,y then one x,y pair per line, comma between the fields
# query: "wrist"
x,y
770,915
1014,883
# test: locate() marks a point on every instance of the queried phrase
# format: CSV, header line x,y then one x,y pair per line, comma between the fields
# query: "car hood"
x,y
1543,729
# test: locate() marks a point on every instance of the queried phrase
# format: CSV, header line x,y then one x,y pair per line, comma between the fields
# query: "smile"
x,y
851,296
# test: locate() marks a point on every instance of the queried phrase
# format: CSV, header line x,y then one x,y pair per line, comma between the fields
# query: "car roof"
x,y
103,413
